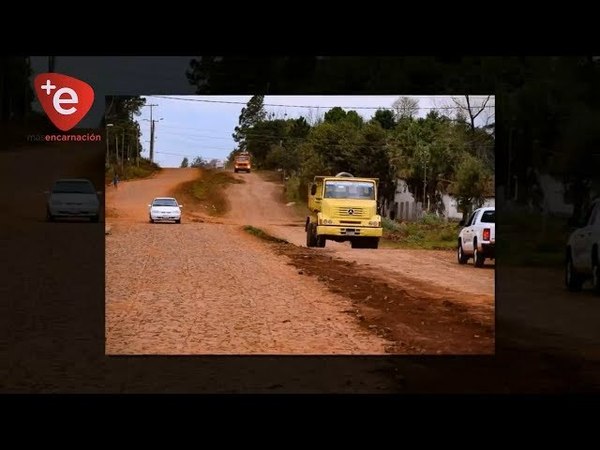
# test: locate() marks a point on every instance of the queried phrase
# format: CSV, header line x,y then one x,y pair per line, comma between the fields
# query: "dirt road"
x,y
210,288
198,288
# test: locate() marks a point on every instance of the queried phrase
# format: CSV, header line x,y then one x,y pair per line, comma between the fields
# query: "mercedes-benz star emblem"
x,y
350,212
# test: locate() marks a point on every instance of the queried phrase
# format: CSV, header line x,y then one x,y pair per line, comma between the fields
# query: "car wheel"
x,y
178,221
478,258
462,258
49,217
94,218
150,220
573,280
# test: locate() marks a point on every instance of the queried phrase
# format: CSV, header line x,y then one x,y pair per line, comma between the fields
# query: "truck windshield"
x,y
363,190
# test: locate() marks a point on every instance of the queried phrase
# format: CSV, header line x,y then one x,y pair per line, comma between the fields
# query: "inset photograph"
x,y
299,225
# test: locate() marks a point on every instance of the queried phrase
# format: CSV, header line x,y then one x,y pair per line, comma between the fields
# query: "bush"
x,y
390,225
432,219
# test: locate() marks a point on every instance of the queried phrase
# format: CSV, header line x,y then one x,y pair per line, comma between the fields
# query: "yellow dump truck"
x,y
242,162
343,208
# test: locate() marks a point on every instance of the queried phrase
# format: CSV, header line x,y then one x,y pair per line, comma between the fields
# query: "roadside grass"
x,y
270,175
208,191
132,172
429,233
288,193
262,235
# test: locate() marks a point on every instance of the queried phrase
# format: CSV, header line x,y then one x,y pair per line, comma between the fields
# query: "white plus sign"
x,y
48,87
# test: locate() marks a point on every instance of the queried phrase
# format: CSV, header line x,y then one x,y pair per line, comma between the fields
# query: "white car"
x,y
583,254
73,197
164,209
477,239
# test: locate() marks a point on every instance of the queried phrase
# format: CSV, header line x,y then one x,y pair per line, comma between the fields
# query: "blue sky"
x,y
192,128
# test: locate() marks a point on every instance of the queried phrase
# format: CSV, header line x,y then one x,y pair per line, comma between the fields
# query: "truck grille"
x,y
351,212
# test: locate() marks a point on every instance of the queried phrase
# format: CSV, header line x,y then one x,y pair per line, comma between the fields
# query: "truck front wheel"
x,y
320,241
310,236
371,242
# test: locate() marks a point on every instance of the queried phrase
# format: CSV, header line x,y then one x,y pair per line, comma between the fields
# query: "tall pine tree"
x,y
253,113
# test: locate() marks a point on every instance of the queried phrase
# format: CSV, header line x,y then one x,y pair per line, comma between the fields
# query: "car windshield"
x,y
164,202
73,187
350,189
488,217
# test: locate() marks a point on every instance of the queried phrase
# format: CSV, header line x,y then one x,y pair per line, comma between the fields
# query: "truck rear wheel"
x,y
478,257
462,258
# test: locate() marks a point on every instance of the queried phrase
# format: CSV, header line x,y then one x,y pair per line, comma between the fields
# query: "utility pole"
x,y
424,184
152,132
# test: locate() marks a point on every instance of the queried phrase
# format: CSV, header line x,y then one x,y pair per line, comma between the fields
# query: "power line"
x,y
314,106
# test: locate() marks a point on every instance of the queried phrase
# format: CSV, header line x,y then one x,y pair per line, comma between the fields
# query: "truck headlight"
x,y
374,223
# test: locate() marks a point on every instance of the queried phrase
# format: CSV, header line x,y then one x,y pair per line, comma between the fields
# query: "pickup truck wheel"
x,y
478,258
462,258
573,280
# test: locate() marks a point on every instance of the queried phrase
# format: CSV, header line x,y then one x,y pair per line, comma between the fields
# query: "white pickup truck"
x,y
477,239
582,255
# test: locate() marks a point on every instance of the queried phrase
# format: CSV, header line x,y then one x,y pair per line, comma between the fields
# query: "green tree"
x,y
252,114
185,163
385,118
472,181
335,115
198,162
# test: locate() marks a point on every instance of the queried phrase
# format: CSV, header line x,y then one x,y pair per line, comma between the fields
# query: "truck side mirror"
x,y
313,189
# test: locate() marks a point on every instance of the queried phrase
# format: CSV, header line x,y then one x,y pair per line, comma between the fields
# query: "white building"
x,y
404,207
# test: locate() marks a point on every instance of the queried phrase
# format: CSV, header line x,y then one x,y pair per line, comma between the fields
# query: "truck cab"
x,y
242,163
343,208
